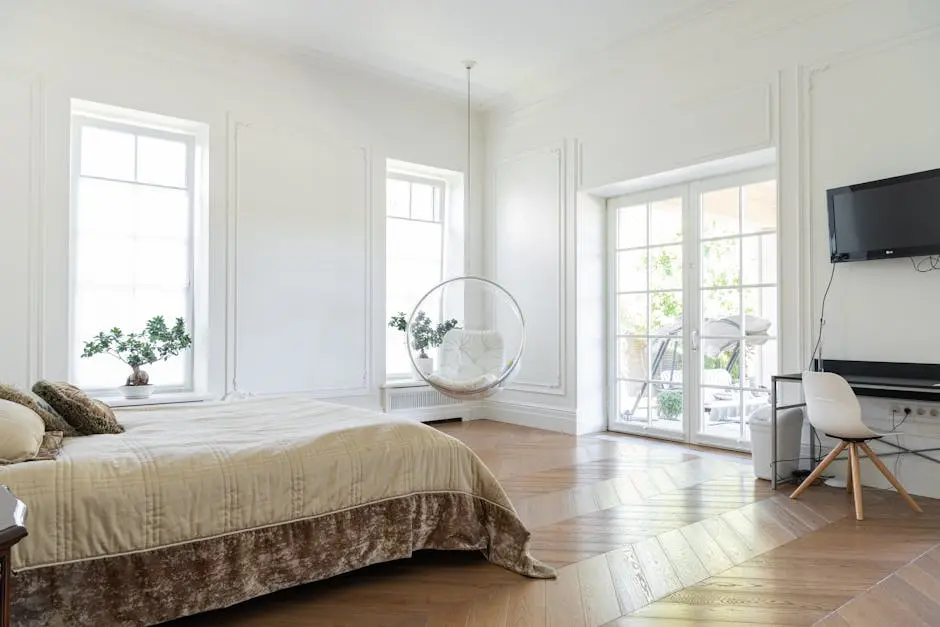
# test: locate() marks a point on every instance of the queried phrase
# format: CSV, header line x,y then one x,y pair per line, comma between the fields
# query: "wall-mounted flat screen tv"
x,y
896,217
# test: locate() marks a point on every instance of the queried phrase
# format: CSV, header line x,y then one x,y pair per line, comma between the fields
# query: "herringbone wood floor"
x,y
643,534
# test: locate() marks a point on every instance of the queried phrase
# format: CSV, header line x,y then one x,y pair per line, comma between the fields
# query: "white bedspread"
x,y
180,474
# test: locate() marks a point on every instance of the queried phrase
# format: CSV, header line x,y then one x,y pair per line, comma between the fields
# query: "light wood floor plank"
x,y
598,597
683,557
563,599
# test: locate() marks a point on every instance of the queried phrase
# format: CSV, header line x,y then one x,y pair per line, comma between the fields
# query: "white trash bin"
x,y
789,436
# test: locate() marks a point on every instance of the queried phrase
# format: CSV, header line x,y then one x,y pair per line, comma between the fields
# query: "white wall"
x,y
298,148
844,91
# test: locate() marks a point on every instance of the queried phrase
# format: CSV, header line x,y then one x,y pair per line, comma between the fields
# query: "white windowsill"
x,y
167,398
403,383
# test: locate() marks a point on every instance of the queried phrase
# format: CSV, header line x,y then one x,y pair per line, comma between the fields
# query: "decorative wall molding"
x,y
363,384
24,302
35,361
557,384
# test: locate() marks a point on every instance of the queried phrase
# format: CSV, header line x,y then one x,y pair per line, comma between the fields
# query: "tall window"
x,y
132,241
415,242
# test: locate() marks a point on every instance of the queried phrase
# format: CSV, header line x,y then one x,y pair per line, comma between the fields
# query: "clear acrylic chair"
x,y
834,410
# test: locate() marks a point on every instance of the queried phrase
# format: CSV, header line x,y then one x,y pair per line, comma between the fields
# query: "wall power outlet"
x,y
898,409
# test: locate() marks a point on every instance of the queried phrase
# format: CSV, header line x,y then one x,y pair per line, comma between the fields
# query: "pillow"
x,y
88,416
53,421
21,432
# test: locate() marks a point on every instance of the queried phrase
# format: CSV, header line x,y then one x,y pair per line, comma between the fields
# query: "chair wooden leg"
x,y
848,477
819,470
890,477
856,481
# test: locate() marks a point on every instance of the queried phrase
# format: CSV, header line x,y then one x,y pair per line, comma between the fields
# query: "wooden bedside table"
x,y
12,530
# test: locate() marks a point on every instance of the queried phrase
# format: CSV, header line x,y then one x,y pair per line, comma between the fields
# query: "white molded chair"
x,y
833,409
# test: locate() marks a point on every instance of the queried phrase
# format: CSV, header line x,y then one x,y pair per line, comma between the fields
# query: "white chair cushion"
x,y
21,431
469,356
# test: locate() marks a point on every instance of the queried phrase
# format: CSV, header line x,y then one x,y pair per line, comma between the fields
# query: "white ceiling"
x,y
513,41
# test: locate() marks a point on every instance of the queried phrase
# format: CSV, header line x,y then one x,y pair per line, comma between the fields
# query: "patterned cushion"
x,y
89,416
52,420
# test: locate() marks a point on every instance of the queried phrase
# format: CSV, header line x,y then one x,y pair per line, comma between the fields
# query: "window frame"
x,y
441,185
694,427
81,119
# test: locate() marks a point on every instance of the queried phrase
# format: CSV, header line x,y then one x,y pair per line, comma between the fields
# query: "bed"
x,y
201,507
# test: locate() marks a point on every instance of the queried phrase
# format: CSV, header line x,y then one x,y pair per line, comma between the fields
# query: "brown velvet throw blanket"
x,y
298,491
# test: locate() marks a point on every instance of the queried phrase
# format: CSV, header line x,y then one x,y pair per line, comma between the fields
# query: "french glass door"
x,y
693,308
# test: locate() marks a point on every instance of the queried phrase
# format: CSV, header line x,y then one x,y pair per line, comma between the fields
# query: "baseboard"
x,y
534,416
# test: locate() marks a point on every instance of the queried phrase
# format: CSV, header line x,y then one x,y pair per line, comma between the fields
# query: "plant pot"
x,y
425,365
134,392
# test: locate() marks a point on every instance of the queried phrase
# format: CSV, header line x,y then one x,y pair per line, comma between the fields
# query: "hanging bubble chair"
x,y
477,345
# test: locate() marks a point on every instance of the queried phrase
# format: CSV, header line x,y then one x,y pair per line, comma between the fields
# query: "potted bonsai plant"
x,y
424,336
157,342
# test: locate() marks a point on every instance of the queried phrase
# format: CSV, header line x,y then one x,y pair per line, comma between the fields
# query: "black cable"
x,y
933,260
822,318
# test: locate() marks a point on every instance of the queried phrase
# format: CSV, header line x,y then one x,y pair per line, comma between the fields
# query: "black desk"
x,y
869,379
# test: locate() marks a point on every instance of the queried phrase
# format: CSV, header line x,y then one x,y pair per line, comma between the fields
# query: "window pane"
x,y
631,271
633,402
108,154
666,361
150,302
105,208
161,263
631,314
718,304
169,373
632,358
161,161
721,362
760,207
104,261
666,268
720,212
665,312
422,202
752,259
667,404
631,226
398,199
762,304
666,221
721,263
760,259
760,365
722,412
768,258
163,212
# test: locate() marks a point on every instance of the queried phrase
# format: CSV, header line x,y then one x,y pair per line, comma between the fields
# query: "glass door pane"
x,y
648,305
738,297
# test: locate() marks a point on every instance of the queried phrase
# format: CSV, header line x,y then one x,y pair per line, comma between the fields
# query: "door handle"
x,y
695,339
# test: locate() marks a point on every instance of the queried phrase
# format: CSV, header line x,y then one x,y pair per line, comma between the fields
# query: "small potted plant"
x,y
424,336
670,404
157,342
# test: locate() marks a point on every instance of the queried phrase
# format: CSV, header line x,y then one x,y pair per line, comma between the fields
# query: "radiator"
x,y
422,402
